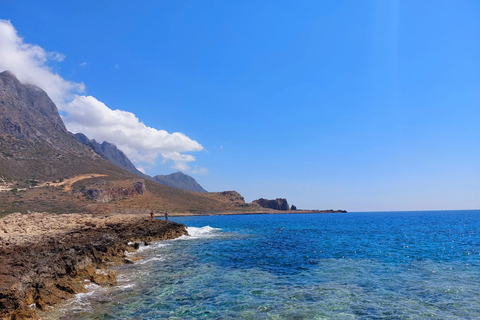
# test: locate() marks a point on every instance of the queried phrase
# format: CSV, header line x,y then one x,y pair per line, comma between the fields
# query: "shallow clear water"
x,y
401,265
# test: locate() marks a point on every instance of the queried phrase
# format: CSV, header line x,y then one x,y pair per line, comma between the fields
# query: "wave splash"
x,y
203,232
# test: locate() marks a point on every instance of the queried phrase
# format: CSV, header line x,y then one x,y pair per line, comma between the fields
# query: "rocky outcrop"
x,y
105,191
179,180
232,197
277,204
45,258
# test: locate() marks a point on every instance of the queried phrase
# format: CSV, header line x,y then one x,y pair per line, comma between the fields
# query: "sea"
x,y
369,265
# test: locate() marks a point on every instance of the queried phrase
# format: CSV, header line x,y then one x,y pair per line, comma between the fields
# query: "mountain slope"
x,y
33,139
110,152
180,180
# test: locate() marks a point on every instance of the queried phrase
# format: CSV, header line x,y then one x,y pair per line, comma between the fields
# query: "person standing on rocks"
x,y
151,214
166,216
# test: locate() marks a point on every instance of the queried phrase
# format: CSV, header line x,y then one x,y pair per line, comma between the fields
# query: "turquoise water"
x,y
397,265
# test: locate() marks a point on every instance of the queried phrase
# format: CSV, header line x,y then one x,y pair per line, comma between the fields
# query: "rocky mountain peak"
x,y
33,139
179,180
26,110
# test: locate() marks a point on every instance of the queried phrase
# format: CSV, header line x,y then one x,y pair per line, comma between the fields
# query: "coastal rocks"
x,y
45,258
329,211
105,191
277,204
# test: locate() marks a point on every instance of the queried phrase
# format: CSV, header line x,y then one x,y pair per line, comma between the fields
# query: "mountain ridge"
x,y
180,180
110,152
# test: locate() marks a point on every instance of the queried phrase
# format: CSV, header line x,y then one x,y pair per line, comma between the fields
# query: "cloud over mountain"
x,y
87,114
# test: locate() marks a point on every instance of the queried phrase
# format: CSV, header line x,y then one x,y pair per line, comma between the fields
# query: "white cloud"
x,y
87,114
28,63
141,143
55,56
83,64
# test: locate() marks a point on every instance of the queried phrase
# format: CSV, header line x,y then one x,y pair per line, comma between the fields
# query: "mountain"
x,y
34,141
44,168
110,152
179,180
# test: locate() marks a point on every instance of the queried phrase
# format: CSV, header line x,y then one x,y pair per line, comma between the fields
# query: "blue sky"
x,y
356,105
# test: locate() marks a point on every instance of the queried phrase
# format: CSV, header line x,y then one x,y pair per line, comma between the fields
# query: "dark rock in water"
x,y
293,207
179,180
277,204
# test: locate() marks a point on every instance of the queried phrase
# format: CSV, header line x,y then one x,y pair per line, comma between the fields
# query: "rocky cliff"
x,y
277,204
105,191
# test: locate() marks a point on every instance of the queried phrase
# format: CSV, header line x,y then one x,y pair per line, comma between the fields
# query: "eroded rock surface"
x,y
45,258
105,191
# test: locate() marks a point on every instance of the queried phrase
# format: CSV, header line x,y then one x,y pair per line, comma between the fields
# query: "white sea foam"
x,y
92,288
126,286
203,232
144,261
142,247
151,246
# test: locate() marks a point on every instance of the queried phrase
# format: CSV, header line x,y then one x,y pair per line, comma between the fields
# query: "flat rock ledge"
x,y
46,258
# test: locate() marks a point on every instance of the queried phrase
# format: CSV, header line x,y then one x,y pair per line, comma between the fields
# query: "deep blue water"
x,y
392,265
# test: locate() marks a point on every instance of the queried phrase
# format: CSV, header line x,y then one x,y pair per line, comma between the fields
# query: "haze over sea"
x,y
378,265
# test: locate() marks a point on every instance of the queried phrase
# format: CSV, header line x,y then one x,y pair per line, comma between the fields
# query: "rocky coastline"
x,y
46,258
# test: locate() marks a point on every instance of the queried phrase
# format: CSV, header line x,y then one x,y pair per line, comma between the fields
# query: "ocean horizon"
x,y
357,265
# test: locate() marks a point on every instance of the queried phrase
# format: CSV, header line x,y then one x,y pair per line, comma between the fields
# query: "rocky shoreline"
x,y
46,258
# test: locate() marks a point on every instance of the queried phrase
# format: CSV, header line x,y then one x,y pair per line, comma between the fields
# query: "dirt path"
x,y
67,183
